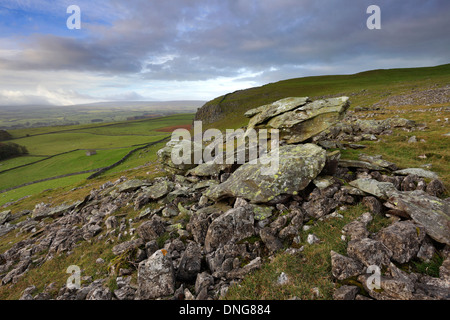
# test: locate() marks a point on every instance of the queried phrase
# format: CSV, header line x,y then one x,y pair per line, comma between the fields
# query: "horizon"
x,y
175,51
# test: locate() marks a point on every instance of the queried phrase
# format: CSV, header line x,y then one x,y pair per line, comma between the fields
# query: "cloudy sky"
x,y
200,49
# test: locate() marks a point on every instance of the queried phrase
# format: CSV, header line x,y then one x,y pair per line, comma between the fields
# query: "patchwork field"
x,y
58,151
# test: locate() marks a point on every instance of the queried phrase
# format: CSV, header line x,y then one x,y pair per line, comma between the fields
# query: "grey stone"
x,y
156,276
403,239
431,212
346,293
151,229
270,240
190,262
234,225
298,166
343,267
376,188
4,216
369,252
418,172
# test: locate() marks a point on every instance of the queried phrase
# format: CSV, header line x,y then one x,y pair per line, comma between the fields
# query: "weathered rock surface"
x,y
431,212
369,252
298,119
418,172
298,166
379,189
343,267
403,239
156,276
232,226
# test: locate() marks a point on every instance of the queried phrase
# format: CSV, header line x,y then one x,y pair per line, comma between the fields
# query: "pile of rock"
x,y
204,228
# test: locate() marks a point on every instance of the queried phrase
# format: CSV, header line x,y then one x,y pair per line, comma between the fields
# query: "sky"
x,y
200,49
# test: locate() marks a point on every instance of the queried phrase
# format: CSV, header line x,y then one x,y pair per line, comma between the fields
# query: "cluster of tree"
x,y
4,135
10,150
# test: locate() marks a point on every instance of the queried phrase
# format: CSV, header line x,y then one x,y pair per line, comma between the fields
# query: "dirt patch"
x,y
172,128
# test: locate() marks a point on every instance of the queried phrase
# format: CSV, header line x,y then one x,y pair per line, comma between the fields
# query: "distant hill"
x,y
31,116
364,89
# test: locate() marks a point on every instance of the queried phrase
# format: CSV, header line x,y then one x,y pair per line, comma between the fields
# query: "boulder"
x,y
131,185
376,188
343,267
307,120
431,212
298,166
4,216
127,246
403,238
43,211
346,293
190,262
232,226
378,161
272,243
263,113
156,276
369,252
152,229
158,189
175,147
423,173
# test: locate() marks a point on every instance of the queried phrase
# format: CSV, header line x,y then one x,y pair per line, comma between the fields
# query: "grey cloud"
x,y
212,39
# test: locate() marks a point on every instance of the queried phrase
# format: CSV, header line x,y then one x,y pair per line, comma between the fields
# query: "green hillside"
x,y
364,89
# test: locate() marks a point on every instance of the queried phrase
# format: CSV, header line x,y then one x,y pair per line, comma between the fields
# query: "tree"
x,y
10,150
5,135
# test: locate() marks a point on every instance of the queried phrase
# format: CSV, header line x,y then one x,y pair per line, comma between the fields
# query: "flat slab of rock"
x,y
310,119
431,212
418,172
374,187
298,166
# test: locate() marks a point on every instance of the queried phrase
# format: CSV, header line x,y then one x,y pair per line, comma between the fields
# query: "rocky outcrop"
x,y
298,119
194,235
298,166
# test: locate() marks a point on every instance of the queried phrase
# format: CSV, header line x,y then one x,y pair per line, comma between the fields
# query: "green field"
x,y
63,151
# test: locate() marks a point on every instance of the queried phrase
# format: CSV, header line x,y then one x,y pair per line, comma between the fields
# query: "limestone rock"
x,y
190,262
156,276
234,225
369,252
307,120
379,189
343,267
423,173
270,240
346,293
152,229
131,185
431,212
4,216
298,166
175,147
403,238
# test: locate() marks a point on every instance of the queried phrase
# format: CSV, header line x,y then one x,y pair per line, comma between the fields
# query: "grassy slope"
x,y
364,89
112,142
